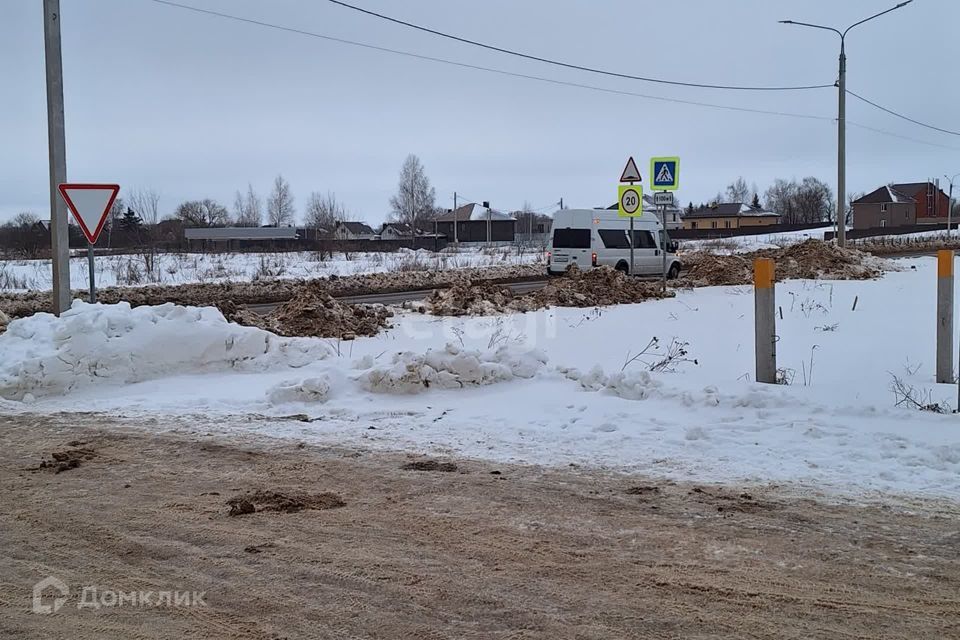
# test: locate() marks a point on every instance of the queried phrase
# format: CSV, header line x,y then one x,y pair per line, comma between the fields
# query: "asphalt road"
x,y
399,297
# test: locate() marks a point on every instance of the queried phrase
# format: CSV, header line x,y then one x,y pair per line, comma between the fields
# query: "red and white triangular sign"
x,y
630,172
90,204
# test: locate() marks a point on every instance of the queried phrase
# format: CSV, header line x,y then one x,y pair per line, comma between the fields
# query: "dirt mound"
x,y
225,294
595,288
4,321
282,502
811,259
317,314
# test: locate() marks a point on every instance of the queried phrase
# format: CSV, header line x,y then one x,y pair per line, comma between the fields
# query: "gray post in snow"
x,y
93,283
57,149
945,316
765,320
663,243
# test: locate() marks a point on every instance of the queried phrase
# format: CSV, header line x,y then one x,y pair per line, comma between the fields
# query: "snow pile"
x,y
452,368
92,343
306,390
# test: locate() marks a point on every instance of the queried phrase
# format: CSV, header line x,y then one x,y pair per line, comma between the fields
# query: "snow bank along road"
x,y
552,387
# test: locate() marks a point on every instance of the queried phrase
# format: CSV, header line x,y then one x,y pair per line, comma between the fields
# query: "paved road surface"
x,y
399,297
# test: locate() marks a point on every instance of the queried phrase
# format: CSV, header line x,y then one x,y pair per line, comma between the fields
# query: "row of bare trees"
x,y
797,202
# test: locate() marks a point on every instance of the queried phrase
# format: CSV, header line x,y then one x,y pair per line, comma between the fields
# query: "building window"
x,y
693,225
883,223
713,225
883,208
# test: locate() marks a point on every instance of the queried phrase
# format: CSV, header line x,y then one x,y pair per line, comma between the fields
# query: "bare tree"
x,y
323,211
280,211
146,204
738,191
781,199
414,202
25,219
814,201
248,208
202,213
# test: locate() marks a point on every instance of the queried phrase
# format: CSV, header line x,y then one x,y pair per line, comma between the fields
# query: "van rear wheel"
x,y
623,267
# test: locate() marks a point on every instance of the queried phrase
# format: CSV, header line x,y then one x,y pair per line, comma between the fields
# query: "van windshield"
x,y
571,238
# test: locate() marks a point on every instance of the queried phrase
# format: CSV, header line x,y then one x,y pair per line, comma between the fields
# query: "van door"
x,y
571,246
646,253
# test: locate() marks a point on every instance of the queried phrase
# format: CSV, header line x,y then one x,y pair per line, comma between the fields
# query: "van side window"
x,y
571,238
614,238
643,240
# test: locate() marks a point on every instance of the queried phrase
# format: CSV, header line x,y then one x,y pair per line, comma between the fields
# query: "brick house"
x,y
903,204
884,207
931,202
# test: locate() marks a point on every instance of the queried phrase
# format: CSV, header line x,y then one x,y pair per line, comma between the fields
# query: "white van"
x,y
593,237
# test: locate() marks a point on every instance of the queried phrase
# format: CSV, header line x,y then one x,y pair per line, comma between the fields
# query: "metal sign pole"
x,y
663,242
632,237
93,284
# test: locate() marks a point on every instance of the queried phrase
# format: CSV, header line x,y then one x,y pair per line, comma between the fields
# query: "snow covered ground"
x,y
745,244
183,268
552,387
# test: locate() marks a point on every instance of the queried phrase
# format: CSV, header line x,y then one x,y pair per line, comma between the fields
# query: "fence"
x,y
708,234
853,234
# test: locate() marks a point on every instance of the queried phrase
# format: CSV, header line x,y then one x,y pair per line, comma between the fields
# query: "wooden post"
x,y
765,320
945,316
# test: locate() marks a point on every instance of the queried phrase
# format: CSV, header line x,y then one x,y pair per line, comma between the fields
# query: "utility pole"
x,y
57,146
842,150
842,117
950,204
455,240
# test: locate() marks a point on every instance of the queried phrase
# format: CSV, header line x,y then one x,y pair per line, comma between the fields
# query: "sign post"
x,y
665,176
90,204
630,199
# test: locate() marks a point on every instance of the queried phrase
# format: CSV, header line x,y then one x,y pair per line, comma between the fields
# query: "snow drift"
x,y
95,343
452,368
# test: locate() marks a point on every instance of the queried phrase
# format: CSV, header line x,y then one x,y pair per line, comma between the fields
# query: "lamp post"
x,y
842,117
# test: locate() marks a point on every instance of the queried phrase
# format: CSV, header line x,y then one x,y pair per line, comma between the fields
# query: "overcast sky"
x,y
197,106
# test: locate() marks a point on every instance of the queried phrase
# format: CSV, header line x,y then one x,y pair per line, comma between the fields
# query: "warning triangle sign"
x,y
90,204
630,172
664,176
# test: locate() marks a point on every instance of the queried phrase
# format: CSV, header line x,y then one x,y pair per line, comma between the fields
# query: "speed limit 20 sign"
x,y
630,202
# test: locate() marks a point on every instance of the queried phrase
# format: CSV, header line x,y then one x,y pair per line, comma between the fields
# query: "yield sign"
x,y
90,204
630,172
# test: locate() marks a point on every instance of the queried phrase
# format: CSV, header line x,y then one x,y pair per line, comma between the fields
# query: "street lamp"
x,y
950,203
841,118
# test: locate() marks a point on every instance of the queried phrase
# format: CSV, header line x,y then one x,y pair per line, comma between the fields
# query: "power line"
x,y
567,65
488,69
902,137
539,78
903,117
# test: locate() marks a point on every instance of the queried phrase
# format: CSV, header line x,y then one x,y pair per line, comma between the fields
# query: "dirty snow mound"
x,y
315,313
4,321
306,390
96,343
595,288
811,259
452,368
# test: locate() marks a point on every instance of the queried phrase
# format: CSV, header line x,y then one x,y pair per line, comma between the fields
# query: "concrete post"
x,y
765,320
56,142
945,316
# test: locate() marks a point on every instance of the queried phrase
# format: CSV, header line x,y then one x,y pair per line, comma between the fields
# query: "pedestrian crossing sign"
x,y
665,173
